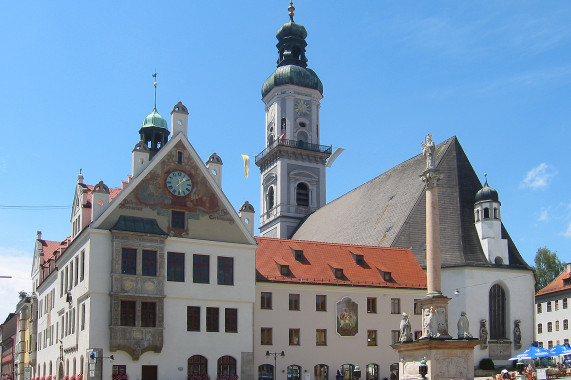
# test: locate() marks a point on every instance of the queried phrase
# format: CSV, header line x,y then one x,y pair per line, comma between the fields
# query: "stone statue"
x,y
405,333
428,151
483,334
463,326
428,323
517,334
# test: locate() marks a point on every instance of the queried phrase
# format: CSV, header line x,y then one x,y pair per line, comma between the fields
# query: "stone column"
x,y
433,262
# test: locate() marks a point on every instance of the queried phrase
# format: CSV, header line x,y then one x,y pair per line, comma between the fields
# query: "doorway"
x,y
149,372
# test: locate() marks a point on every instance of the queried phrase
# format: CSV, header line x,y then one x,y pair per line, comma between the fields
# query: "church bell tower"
x,y
292,165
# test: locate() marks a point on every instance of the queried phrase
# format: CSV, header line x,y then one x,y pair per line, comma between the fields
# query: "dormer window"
x,y
359,260
566,281
338,273
284,270
298,254
387,276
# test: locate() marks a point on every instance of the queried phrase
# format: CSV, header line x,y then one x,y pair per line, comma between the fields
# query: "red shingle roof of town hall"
x,y
558,284
321,259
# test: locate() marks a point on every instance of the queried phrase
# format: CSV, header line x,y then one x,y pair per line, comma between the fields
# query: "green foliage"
x,y
487,364
547,267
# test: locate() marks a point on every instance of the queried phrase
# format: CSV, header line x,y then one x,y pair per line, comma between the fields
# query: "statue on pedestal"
x,y
463,326
517,334
428,151
405,331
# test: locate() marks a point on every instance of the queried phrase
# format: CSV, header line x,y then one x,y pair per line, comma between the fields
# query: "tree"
x,y
547,267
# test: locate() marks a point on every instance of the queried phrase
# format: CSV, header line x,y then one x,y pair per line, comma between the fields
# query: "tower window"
x,y
302,194
179,157
302,124
270,202
486,213
498,260
177,219
477,215
283,124
496,213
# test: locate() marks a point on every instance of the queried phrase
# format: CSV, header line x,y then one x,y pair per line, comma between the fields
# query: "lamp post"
x,y
275,355
423,369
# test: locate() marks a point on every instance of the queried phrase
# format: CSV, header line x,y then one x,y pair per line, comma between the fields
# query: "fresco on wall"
x,y
347,317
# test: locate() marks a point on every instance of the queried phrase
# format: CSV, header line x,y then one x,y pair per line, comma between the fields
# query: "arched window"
x,y
498,260
302,139
197,365
486,213
293,372
477,215
496,213
270,201
81,369
372,372
347,371
74,367
226,365
302,194
497,302
67,367
321,372
51,373
44,371
265,372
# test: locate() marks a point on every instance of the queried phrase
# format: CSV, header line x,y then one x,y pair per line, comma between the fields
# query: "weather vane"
x,y
155,84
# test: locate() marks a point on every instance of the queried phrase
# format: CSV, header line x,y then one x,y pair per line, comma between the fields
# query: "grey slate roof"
x,y
137,224
389,211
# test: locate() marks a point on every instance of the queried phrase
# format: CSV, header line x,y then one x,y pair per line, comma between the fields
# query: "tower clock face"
x,y
302,108
179,183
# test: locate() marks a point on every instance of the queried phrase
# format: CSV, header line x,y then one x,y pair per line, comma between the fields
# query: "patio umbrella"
x,y
532,353
560,350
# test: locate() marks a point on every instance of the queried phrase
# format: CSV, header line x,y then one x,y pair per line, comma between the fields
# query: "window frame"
x,y
266,300
266,336
372,338
149,263
212,319
321,337
193,318
128,314
225,270
148,314
175,266
321,302
128,261
395,306
294,301
371,305
200,269
230,320
294,337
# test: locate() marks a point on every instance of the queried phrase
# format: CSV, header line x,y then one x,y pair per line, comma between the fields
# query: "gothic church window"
x,y
497,310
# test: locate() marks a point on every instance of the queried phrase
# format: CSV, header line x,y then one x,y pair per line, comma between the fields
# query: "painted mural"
x,y
347,317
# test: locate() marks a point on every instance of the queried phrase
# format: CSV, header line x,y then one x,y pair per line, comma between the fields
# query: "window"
x,y
82,317
321,337
265,371
119,370
193,318
76,279
372,372
129,261
556,325
212,319
302,194
321,372
549,344
266,336
540,344
417,307
231,320
266,300
127,313
496,215
565,324
539,328
179,157
565,303
148,314
320,303
270,202
566,341
149,263
347,371
225,270
549,327
556,305
395,336
175,266
338,273
294,337
417,334
497,310
82,273
226,366
372,305
371,337
538,308
294,301
177,220
395,305
197,365
486,213
201,269
548,306
293,372
284,270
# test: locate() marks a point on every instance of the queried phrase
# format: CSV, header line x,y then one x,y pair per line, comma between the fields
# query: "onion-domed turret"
x,y
292,62
154,132
487,194
154,120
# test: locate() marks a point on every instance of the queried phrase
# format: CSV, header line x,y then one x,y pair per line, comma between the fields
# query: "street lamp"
x,y
275,355
423,369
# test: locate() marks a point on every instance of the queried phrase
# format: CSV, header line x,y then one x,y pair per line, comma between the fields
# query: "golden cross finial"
x,y
291,9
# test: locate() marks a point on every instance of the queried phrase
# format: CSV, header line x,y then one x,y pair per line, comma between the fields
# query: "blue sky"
x,y
77,84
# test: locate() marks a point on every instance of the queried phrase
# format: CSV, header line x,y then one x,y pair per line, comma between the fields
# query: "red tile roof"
x,y
113,192
558,284
52,251
320,260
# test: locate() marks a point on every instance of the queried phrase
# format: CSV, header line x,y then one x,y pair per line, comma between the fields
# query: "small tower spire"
x,y
155,84
291,8
486,176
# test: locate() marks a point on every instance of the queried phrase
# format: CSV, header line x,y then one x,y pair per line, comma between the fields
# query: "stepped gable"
x,y
389,211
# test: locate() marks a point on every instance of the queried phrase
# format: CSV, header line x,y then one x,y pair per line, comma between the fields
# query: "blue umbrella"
x,y
560,350
532,353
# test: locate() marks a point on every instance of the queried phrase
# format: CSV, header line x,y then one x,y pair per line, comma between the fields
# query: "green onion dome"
x,y
154,120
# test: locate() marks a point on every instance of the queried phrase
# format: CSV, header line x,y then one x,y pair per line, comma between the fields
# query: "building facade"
x,y
158,274
552,312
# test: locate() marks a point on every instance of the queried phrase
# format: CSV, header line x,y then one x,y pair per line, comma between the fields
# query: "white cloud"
x,y
568,232
17,264
543,215
538,177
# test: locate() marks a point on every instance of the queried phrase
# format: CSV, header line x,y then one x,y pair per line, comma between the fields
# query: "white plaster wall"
x,y
339,350
474,284
557,337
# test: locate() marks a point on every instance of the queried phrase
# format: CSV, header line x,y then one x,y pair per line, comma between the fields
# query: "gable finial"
x,y
291,8
155,84
486,176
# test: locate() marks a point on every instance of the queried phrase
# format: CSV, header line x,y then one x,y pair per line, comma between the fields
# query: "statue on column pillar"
x,y
428,151
405,330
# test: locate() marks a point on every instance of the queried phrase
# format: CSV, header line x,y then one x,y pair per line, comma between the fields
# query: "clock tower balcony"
x,y
293,147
